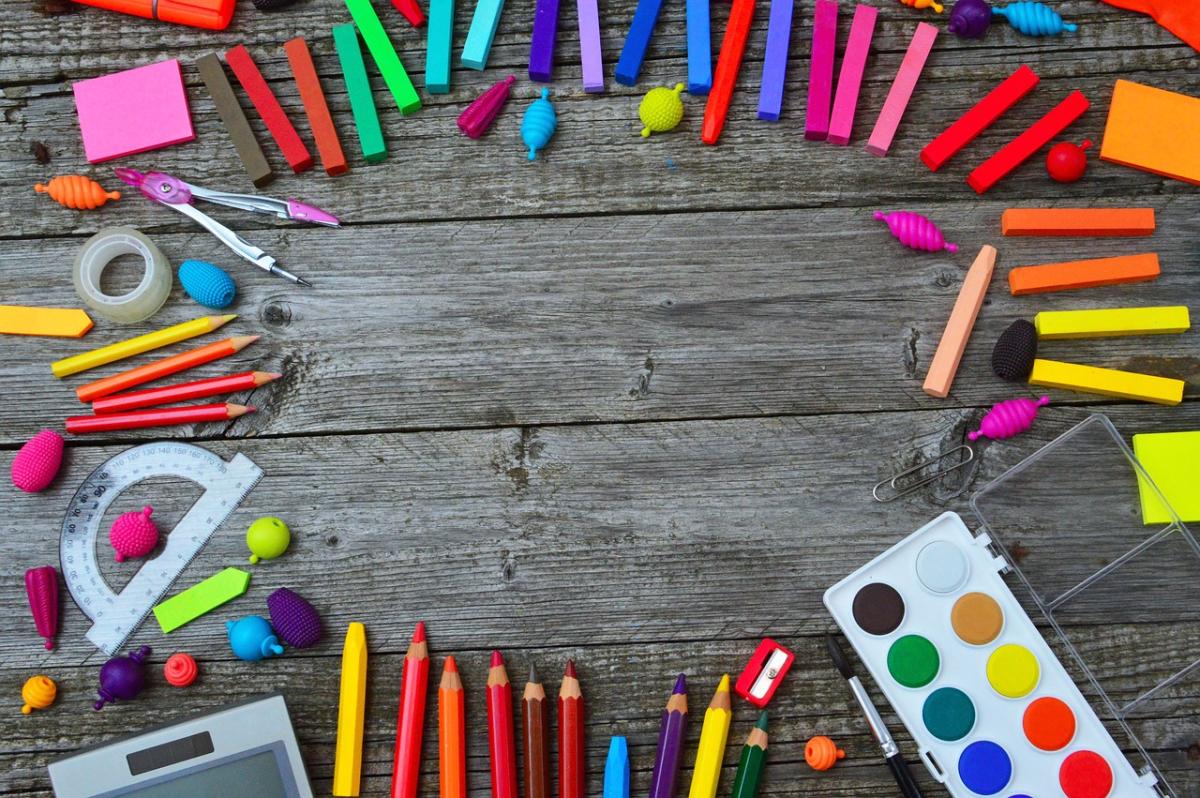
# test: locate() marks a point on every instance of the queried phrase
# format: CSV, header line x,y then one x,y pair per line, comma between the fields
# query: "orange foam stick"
x,y
1083,274
1077,222
333,160
962,320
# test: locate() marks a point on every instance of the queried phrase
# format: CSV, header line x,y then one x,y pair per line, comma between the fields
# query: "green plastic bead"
x,y
268,537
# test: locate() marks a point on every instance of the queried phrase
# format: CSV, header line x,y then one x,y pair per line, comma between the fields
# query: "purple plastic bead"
x,y
122,678
294,618
970,19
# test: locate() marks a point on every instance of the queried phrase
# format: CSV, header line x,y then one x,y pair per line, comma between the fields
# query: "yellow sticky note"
x,y
1172,459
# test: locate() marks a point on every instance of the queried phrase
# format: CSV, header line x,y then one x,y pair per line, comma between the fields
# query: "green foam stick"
x,y
358,86
201,598
385,55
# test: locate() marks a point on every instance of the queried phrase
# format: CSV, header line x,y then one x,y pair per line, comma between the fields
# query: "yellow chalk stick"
x,y
1108,322
352,711
710,754
1106,382
57,322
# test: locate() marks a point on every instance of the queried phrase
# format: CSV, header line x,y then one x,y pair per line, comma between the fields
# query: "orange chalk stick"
x,y
1077,222
962,320
333,160
1083,274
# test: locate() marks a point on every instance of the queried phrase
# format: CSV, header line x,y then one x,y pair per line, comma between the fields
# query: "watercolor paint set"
x,y
993,709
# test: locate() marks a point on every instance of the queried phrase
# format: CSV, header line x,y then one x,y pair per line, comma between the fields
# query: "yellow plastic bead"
x,y
38,693
661,109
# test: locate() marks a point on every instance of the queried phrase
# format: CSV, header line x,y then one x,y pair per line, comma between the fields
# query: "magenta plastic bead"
x,y
915,231
477,117
1008,418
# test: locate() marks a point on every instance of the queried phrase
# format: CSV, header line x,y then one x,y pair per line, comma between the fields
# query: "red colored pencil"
x,y
183,392
410,723
502,747
159,417
571,778
729,63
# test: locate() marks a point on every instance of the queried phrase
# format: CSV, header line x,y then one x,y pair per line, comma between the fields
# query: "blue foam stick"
x,y
699,47
779,37
480,34
637,41
437,46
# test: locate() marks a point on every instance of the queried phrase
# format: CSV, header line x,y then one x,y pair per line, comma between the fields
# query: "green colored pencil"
x,y
754,756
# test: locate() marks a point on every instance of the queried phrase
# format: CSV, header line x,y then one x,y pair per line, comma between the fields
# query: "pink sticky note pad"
x,y
133,111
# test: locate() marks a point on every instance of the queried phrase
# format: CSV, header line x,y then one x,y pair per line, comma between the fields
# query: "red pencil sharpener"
x,y
764,672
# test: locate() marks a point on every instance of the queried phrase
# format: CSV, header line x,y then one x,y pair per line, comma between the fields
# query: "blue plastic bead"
x,y
1034,19
252,638
537,127
207,284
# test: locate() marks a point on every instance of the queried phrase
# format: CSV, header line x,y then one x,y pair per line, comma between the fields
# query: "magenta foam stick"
x,y
774,72
820,71
41,587
477,117
902,89
854,64
541,44
1008,418
591,60
915,231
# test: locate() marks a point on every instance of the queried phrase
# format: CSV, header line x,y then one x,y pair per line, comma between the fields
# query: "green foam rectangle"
x,y
358,86
385,56
201,598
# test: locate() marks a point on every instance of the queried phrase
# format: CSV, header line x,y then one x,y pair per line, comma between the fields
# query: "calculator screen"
x,y
255,776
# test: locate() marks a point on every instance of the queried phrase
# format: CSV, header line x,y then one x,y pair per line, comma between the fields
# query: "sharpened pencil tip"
x,y
762,721
723,685
570,671
419,633
680,684
450,666
497,658
533,677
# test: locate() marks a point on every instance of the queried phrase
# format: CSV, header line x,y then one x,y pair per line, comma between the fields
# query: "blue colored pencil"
x,y
616,769
637,41
699,47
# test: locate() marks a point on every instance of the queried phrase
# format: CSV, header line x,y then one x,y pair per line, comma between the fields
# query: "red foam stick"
x,y
1020,149
729,63
305,71
280,127
411,11
979,118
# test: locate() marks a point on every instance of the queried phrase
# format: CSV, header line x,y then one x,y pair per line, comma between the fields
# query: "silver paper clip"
x,y
898,489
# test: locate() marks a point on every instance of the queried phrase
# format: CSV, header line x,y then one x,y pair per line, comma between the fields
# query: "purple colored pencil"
x,y
541,45
779,38
820,71
671,736
590,59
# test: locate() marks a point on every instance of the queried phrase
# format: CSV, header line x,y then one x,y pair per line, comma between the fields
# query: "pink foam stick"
x,y
902,89
820,71
854,63
962,320
41,587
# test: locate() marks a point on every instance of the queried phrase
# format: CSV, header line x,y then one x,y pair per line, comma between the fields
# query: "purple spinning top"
x,y
970,19
122,678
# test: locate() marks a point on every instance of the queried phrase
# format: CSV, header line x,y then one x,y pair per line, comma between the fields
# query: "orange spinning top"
x,y
821,753
77,192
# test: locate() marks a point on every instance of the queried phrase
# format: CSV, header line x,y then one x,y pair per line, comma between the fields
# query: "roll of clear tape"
x,y
102,249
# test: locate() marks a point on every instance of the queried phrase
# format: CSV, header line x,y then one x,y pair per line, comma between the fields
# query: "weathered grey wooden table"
x,y
625,404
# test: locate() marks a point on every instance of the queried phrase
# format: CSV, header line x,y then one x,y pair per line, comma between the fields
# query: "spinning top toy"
x,y
919,4
76,192
122,678
133,534
180,670
1008,418
1066,162
37,463
267,538
970,19
38,692
252,639
539,124
477,117
1034,19
661,110
297,623
41,588
821,753
207,284
1012,357
915,231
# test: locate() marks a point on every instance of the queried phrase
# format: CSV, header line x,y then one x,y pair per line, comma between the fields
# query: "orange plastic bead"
x,y
77,192
821,753
936,6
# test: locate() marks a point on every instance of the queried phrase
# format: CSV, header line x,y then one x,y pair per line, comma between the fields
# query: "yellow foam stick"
x,y
1106,382
711,751
352,711
136,346
58,322
1108,322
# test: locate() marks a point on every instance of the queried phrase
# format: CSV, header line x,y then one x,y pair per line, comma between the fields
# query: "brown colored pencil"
x,y
535,742
571,774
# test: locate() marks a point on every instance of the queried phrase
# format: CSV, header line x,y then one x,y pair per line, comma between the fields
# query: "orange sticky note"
x,y
1153,130
57,322
962,320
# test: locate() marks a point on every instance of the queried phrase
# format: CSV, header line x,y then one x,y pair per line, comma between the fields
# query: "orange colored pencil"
x,y
452,733
571,777
164,367
410,725
502,747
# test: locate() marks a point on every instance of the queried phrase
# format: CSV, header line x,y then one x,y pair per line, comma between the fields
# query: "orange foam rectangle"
x,y
1153,130
1077,222
1083,274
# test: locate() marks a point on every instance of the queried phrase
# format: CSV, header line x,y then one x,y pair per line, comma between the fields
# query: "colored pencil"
x,y
535,738
502,750
616,769
410,720
754,756
729,63
572,778
671,736
452,733
136,346
352,712
183,392
163,368
710,753
157,417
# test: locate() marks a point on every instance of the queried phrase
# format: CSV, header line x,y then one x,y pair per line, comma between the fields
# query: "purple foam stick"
x,y
590,58
541,45
820,71
779,37
854,63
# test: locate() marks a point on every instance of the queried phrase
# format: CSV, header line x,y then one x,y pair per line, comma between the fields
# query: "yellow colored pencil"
x,y
136,346
710,754
352,706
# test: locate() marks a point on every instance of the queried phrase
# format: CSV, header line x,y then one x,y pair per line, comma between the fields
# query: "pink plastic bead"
x,y
1008,418
41,588
133,534
915,231
36,465
477,117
